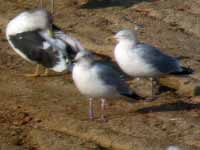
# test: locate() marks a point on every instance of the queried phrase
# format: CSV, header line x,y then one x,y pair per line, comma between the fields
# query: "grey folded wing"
x,y
112,76
159,61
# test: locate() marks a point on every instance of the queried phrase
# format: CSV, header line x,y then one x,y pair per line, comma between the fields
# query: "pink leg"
x,y
91,112
103,103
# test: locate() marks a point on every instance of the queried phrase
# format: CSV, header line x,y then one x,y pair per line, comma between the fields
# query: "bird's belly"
x,y
60,64
89,85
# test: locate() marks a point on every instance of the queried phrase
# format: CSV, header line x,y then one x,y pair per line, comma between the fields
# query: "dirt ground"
x,y
50,114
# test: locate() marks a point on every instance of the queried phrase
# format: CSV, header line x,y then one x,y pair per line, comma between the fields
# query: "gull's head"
x,y
126,35
82,55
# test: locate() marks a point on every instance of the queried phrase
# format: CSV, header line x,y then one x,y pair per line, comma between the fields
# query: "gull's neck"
x,y
86,63
128,42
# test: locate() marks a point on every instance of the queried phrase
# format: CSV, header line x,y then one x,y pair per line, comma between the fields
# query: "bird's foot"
x,y
46,73
36,73
102,119
91,117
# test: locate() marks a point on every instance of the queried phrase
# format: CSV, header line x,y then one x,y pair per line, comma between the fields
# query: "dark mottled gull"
x,y
34,37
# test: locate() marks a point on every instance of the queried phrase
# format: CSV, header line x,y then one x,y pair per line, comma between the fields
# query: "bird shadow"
x,y
177,106
164,89
52,75
111,3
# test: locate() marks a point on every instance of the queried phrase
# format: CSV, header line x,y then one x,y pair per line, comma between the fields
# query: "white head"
x,y
38,19
83,55
126,35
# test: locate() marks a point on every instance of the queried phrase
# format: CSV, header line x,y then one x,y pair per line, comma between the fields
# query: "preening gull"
x,y
143,60
34,37
99,78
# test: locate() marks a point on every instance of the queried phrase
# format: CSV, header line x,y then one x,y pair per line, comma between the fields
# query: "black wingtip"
x,y
55,27
185,71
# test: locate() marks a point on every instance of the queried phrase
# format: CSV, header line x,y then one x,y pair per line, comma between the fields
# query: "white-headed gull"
x,y
99,78
143,60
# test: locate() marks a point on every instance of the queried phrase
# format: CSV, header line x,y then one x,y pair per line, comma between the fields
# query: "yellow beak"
x,y
50,33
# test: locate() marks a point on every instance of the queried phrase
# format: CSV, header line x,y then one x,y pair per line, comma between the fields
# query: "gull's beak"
x,y
111,38
50,33
115,37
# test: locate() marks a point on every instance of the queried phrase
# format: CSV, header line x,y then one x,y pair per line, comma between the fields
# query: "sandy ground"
x,y
50,114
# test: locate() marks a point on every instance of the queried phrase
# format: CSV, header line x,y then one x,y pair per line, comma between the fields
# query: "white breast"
x,y
132,63
61,64
89,84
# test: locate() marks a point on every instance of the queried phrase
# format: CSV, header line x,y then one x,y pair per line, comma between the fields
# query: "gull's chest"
x,y
132,62
81,76
89,83
86,80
